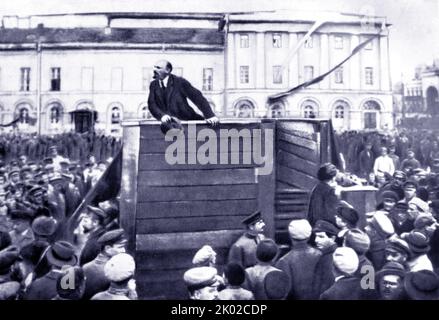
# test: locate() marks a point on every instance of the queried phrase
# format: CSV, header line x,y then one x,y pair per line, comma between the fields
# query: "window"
x,y
339,112
244,74
370,120
244,109
178,72
207,79
276,111
55,114
309,73
277,40
116,79
146,78
23,115
25,79
309,112
338,75
338,42
115,115
369,75
87,79
308,43
277,74
55,82
244,41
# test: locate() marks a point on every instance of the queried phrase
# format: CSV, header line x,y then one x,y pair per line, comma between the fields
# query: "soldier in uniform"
x,y
243,251
202,283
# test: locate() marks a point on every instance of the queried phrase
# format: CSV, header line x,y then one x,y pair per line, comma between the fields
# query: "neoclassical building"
x,y
91,71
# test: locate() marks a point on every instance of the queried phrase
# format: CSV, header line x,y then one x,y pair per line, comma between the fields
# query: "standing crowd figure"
x,y
391,254
44,248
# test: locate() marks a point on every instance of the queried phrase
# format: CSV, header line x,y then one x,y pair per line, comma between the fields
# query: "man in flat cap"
x,y
419,247
378,230
202,283
346,285
21,233
397,250
120,271
401,219
243,251
168,96
94,225
359,242
410,195
325,235
323,200
299,263
112,243
390,282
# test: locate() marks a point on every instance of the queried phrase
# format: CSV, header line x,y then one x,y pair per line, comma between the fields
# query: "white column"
x,y
354,66
260,64
384,64
324,56
293,64
231,61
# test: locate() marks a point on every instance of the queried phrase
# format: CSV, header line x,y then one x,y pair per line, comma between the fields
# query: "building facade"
x,y
91,71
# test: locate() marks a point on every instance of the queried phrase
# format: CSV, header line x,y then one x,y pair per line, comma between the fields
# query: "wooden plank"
x,y
194,224
189,193
292,161
196,177
306,135
153,132
303,153
186,240
290,215
192,146
197,208
174,259
287,175
292,202
157,161
298,125
297,141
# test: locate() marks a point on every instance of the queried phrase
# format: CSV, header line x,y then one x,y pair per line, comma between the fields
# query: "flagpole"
x,y
39,54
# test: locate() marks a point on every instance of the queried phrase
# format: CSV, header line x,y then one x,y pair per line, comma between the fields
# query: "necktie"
x,y
163,89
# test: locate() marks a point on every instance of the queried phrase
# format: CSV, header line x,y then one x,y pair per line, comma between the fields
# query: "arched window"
x,y
310,109
55,114
24,115
244,109
371,114
26,118
339,112
276,111
115,115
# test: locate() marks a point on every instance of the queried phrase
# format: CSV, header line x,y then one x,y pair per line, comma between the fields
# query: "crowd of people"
x,y
392,253
47,249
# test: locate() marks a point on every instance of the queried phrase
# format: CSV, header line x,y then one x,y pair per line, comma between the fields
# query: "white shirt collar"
x,y
165,81
338,278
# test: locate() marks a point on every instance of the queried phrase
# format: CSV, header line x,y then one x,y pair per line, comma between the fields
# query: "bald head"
x,y
162,69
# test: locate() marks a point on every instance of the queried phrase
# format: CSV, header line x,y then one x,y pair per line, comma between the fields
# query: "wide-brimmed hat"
x,y
422,285
61,253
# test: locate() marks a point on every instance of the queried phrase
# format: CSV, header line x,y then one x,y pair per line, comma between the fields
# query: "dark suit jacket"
x,y
348,288
178,90
299,264
323,275
366,163
243,251
322,204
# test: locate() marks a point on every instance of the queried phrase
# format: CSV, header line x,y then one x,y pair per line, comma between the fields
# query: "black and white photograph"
x,y
228,150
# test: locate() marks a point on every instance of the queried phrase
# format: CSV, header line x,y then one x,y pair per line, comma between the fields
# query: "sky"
x,y
413,35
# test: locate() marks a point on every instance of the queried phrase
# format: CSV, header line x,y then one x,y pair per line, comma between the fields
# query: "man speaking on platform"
x,y
168,96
